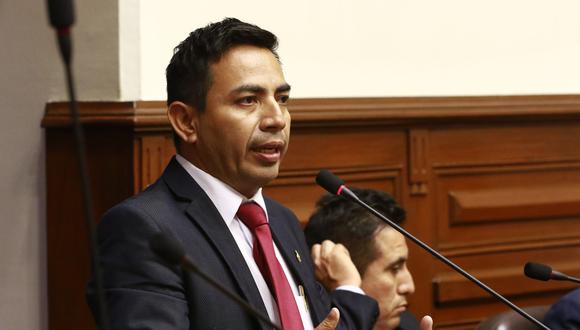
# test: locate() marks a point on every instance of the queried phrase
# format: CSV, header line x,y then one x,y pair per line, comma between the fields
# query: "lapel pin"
x,y
297,256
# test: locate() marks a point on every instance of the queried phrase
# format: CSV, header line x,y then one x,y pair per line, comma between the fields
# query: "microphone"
x,y
335,185
61,13
170,250
62,17
543,272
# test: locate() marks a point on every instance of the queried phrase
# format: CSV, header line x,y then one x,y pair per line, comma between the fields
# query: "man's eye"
x,y
248,100
283,99
396,268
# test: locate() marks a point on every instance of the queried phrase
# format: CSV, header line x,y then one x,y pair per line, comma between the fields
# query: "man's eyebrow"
x,y
248,88
258,89
283,88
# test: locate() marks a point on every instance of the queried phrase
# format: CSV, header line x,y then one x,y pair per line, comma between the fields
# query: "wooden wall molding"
x,y
512,204
452,162
516,245
151,152
346,111
503,167
507,209
138,114
297,190
451,287
419,170
430,109
289,177
464,324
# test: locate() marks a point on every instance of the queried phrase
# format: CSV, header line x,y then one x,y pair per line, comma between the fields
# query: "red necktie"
x,y
254,217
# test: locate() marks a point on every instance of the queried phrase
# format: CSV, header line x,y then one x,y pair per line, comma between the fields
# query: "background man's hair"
x,y
343,221
188,73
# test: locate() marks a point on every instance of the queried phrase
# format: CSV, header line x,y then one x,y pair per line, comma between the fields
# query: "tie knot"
x,y
252,215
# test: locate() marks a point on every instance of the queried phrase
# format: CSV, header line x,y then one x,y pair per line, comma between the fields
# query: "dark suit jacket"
x,y
143,292
408,322
565,313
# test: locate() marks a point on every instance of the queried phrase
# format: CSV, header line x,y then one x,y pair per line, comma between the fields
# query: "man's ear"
x,y
183,119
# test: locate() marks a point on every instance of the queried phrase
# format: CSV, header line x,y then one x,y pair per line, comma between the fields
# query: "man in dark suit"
x,y
227,104
379,252
565,313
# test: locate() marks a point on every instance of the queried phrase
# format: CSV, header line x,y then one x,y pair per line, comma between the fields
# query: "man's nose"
x,y
406,284
274,116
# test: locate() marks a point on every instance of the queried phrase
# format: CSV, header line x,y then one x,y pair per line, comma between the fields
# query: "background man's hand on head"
x,y
333,266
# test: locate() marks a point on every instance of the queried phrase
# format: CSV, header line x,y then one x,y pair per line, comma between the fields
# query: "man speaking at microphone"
x,y
227,104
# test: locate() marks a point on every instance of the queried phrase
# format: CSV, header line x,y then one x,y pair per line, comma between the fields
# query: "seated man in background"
x,y
378,251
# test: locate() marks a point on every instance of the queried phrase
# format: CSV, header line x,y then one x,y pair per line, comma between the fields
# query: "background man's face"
x,y
387,278
243,134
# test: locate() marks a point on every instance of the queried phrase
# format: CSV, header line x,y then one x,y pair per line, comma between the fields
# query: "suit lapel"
x,y
287,246
202,212
293,253
210,222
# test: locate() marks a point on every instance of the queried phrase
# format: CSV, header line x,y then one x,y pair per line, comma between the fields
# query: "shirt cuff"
x,y
351,288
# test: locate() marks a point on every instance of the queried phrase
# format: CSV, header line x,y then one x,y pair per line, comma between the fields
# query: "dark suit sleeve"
x,y
141,292
357,311
565,313
408,322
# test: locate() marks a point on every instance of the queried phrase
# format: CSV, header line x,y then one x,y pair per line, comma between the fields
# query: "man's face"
x,y
243,134
387,278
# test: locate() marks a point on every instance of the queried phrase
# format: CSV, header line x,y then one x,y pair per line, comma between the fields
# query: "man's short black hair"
x,y
343,221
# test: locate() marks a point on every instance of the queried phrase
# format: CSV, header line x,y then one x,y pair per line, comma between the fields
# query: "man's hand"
x,y
426,323
331,320
333,266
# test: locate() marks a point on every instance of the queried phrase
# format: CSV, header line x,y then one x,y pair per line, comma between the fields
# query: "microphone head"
x,y
537,271
329,182
61,13
167,247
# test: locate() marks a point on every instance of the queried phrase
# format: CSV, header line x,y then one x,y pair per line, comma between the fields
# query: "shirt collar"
x,y
226,199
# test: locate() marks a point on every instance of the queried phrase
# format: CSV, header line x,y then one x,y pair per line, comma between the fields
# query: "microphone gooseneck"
x,y
168,248
171,250
61,17
329,181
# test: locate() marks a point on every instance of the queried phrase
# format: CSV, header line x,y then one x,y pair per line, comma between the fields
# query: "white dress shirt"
x,y
227,201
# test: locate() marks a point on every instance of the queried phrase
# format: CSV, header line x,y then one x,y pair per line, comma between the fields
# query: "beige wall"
x,y
328,48
30,75
391,48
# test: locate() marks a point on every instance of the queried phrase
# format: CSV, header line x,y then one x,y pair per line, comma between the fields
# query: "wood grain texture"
x,y
490,181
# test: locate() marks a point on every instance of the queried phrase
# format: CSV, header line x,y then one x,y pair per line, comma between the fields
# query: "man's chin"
x,y
263,175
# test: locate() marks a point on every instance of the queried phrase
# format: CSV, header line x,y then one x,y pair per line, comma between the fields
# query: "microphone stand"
x,y
189,265
170,250
64,41
343,190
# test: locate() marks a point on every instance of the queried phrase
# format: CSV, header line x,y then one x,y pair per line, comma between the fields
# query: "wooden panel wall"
x,y
491,182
